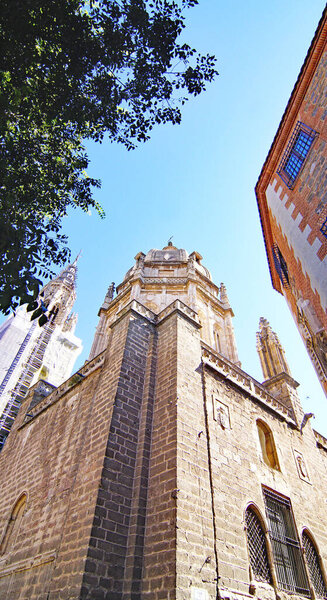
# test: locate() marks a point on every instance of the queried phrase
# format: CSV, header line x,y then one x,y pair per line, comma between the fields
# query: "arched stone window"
x,y
13,525
256,540
313,562
267,444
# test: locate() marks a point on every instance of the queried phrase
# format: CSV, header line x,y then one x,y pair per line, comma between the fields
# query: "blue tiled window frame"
x,y
296,153
323,228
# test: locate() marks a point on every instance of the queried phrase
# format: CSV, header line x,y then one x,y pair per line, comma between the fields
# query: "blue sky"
x,y
196,181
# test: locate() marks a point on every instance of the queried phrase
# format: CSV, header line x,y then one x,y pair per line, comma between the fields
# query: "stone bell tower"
x,y
162,276
150,474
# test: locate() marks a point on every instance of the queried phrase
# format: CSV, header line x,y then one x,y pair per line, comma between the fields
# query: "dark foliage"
x,y
72,70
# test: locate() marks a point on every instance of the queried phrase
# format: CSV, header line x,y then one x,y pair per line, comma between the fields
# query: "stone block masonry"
x,y
137,474
100,471
119,519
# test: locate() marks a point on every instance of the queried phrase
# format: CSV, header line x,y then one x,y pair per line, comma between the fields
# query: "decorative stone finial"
x,y
77,257
223,294
270,350
109,295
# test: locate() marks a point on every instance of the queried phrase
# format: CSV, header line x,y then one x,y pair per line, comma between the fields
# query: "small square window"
x,y
296,153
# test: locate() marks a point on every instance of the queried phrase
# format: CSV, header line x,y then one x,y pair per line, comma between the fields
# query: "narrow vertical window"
x,y
288,560
281,266
256,541
217,340
313,562
268,448
13,525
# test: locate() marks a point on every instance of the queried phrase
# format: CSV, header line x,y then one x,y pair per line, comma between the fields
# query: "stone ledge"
x,y
138,308
181,308
141,310
321,441
244,381
229,594
26,563
68,385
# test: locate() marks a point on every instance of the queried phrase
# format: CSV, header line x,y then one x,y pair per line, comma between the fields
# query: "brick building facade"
x,y
292,200
161,470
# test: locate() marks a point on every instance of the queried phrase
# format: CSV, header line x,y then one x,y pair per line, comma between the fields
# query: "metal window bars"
x,y
290,570
296,152
323,228
313,563
281,266
257,547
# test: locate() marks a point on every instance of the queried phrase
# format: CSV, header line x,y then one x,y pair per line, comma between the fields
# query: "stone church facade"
x,y
163,471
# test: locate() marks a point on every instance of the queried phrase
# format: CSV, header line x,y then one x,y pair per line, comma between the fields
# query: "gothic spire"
x,y
270,350
69,274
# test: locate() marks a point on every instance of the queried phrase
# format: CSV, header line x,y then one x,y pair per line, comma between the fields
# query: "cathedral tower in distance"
x,y
162,470
29,352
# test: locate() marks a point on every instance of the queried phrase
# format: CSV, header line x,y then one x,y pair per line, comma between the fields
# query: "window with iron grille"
x,y
323,228
281,265
257,547
288,560
296,153
313,562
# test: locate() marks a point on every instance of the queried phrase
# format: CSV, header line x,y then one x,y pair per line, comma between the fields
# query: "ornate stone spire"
x,y
223,294
59,294
270,350
109,295
276,372
69,274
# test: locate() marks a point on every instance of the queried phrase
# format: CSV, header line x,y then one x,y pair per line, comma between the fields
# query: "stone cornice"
x,y
138,308
164,280
181,308
321,441
176,306
67,386
238,377
280,378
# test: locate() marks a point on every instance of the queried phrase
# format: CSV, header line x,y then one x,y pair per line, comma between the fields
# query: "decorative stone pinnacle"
x,y
223,294
270,350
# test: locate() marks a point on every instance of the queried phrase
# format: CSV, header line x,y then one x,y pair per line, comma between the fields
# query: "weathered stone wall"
x,y
239,472
159,571
45,459
119,518
137,478
57,459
